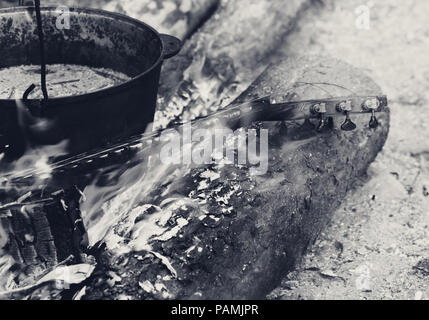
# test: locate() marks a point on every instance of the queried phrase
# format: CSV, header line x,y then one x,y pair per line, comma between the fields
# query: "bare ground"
x,y
376,246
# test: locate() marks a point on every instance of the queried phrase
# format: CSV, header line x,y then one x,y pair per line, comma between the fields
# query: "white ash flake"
x,y
218,189
190,249
63,204
216,219
155,289
194,246
149,227
165,262
221,194
227,196
114,276
160,286
227,210
181,222
201,202
82,195
147,286
208,174
203,185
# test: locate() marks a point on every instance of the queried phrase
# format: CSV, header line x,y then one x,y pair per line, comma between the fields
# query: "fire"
x,y
19,181
130,206
35,163
107,206
134,211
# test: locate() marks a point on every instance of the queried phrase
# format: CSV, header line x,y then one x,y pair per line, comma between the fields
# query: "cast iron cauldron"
x,y
96,38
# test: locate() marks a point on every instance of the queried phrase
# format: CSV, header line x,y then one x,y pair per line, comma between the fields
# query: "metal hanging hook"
x,y
42,50
37,109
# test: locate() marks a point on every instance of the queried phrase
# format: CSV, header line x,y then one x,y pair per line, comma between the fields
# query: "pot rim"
x,y
58,101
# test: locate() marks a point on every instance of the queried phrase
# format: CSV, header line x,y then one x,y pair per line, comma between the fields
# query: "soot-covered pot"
x,y
94,38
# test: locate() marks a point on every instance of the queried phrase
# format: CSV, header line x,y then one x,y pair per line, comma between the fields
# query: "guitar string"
x,y
140,138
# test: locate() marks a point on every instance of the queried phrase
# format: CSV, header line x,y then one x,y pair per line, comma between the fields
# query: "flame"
x,y
36,161
106,206
133,212
35,168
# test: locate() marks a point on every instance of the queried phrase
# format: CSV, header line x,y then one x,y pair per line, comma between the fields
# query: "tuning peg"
x,y
373,122
372,104
320,109
348,124
346,107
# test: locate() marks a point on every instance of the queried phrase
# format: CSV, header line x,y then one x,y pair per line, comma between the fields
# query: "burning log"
x,y
224,57
219,233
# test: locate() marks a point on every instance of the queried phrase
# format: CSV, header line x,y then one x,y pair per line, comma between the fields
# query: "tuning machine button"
x,y
372,105
346,107
320,109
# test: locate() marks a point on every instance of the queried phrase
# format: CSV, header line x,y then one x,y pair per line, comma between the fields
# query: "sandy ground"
x,y
377,244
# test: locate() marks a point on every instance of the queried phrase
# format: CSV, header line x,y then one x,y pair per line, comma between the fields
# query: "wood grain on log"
x,y
224,56
246,232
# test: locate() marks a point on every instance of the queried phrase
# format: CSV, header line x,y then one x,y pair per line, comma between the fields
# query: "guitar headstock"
x,y
323,109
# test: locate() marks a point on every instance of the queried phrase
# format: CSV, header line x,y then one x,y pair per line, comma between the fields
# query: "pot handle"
x,y
171,45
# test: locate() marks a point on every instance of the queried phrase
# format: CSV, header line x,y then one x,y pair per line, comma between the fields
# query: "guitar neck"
x,y
233,116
